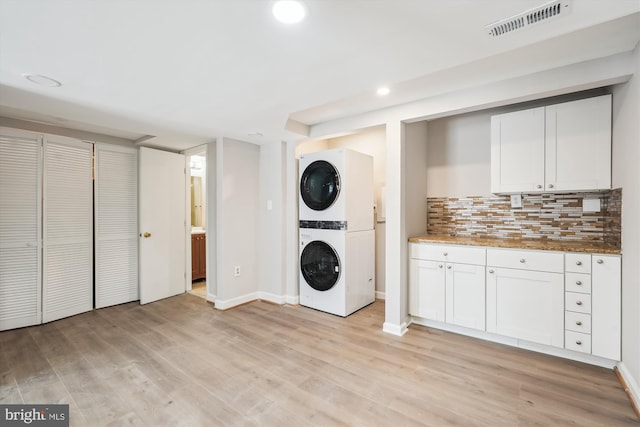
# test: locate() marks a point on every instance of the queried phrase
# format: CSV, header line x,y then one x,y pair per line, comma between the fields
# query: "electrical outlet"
x,y
236,271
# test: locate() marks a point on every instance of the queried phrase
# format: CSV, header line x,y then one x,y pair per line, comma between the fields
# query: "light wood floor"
x,y
181,362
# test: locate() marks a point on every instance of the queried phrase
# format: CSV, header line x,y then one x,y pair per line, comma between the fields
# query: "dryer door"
x,y
320,185
320,265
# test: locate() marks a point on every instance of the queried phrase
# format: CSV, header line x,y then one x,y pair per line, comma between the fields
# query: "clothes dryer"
x,y
336,190
337,270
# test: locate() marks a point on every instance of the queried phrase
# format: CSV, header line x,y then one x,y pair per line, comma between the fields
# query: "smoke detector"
x,y
552,9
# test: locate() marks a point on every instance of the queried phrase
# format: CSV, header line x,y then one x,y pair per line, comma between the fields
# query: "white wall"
x,y
238,213
459,156
273,176
626,174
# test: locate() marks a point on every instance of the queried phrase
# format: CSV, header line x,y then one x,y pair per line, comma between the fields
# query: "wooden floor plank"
x,y
181,362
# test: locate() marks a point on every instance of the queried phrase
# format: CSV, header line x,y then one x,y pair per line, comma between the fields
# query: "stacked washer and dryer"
x,y
337,236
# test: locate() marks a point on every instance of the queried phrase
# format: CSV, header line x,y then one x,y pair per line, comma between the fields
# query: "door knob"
x,y
146,234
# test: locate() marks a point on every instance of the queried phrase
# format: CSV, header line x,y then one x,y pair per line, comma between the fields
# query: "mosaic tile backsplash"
x,y
542,216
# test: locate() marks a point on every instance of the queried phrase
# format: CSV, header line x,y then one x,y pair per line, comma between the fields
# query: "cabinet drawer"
x,y
449,253
552,262
580,303
576,282
577,341
578,263
577,322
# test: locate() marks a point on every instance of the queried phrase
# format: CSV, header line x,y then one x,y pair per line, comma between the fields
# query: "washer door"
x,y
320,265
320,185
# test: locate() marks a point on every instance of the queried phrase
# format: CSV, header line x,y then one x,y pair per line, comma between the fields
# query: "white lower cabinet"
x,y
606,315
427,291
563,300
525,304
448,291
465,295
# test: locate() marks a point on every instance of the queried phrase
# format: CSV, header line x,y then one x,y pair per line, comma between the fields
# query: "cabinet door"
x,y
427,289
526,304
465,295
578,145
605,310
517,151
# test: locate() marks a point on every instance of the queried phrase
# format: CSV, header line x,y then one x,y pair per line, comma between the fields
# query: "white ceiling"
x,y
188,71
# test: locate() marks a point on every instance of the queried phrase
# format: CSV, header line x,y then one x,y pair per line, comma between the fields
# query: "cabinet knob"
x,y
550,185
146,235
579,323
448,267
578,302
600,261
439,265
490,271
538,186
578,262
578,282
522,260
578,342
445,253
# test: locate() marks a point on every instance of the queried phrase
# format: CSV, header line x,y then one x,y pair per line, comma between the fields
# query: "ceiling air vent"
x,y
529,17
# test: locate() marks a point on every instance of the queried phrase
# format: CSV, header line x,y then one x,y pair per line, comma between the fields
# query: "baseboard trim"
x,y
392,328
629,385
292,299
254,296
233,302
381,295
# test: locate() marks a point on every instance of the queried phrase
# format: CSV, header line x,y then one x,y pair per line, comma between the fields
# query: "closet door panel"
x,y
20,231
67,228
116,222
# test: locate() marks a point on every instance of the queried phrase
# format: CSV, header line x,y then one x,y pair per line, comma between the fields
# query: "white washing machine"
x,y
337,270
336,186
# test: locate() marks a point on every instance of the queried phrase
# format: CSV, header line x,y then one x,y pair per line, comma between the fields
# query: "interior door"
x,y
162,222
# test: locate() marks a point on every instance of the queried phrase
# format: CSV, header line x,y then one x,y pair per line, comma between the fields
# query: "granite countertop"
x,y
537,244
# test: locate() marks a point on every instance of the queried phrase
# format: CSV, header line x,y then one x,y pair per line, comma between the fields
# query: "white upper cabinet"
x,y
562,147
517,151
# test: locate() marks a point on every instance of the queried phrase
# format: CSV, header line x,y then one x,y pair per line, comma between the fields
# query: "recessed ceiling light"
x,y
288,11
383,91
42,80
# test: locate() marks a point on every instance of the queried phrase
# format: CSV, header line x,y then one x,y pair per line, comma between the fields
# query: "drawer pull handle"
x,y
578,342
490,271
522,260
578,302
578,282
600,261
579,323
578,262
445,253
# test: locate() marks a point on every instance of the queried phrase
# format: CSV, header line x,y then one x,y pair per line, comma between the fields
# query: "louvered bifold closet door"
x,y
116,222
20,232
68,228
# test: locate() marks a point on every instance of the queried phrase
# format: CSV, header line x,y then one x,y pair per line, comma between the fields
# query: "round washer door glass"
x,y
320,265
319,185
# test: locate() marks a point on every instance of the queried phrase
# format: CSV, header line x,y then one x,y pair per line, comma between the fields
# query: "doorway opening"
x,y
197,181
